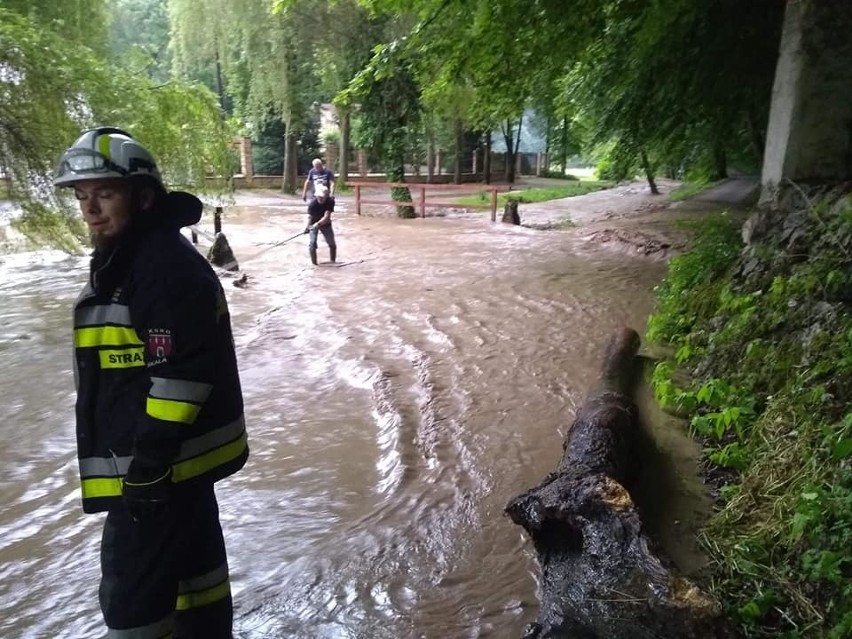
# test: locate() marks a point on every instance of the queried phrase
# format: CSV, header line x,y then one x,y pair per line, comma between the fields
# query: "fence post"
x,y
217,221
423,201
493,204
358,199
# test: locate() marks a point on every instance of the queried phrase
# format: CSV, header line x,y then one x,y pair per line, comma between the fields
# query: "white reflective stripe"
x,y
157,630
203,582
117,466
180,390
102,314
104,466
209,441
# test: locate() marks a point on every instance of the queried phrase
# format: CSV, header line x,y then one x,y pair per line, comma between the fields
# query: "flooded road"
x,y
395,402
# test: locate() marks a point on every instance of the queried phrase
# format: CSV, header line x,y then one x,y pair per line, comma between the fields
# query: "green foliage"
x,y
390,113
179,122
767,337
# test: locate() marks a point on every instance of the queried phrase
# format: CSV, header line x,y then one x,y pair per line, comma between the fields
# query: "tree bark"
x,y
486,161
290,177
602,576
401,193
649,173
459,144
345,116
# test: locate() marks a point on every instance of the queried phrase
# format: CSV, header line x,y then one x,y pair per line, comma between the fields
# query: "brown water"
x,y
395,403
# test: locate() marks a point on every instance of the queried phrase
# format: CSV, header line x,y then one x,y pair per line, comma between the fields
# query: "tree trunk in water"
x,y
343,166
288,183
401,193
602,576
649,173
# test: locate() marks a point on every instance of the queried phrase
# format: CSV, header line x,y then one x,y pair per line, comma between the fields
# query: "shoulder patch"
x,y
160,345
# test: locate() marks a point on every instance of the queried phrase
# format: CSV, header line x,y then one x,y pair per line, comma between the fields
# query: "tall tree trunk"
x,y
563,151
396,173
220,85
486,161
459,144
720,160
290,177
344,115
755,133
547,145
511,148
649,172
430,155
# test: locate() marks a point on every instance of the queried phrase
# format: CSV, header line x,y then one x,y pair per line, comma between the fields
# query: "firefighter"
x,y
159,406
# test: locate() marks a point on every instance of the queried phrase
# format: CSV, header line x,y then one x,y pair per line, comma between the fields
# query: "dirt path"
x,y
629,219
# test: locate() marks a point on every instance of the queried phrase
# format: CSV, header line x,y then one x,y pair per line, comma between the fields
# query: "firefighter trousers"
x,y
167,575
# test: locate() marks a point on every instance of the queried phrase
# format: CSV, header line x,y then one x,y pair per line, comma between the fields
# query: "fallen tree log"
x,y
602,575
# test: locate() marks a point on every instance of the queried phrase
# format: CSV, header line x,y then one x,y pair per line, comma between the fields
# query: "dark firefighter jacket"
x,y
155,368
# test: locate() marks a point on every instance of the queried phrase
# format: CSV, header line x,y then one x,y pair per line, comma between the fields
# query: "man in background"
x,y
318,175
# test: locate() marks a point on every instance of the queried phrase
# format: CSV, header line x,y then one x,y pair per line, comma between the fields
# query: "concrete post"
x,y
809,136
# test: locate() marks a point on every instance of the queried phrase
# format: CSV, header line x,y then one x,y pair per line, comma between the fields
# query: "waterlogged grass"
x,y
771,399
530,196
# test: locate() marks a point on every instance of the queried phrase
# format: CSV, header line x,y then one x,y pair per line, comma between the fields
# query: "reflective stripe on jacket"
x,y
155,369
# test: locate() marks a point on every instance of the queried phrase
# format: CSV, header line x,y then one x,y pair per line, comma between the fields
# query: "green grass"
x,y
690,189
530,196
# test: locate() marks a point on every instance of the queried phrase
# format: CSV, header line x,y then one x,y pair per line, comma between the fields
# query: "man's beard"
x,y
101,242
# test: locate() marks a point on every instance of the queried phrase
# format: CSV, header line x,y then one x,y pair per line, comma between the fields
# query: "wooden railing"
x,y
421,202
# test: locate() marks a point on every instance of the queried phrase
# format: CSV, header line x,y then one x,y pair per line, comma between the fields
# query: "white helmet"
x,y
104,152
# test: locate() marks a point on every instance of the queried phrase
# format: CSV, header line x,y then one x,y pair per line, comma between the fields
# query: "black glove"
x,y
147,490
307,229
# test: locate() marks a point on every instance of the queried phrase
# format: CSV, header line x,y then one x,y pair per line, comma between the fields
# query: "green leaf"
x,y
842,449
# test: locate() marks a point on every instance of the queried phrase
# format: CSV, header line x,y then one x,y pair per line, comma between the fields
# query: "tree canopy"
x,y
57,78
674,86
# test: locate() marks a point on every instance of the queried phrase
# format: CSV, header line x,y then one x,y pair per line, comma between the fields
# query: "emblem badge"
x,y
160,343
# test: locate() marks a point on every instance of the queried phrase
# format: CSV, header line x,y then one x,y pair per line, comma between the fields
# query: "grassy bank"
x,y
529,196
762,338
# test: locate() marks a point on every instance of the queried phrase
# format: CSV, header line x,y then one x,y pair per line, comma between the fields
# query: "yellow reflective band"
x,y
103,146
204,597
101,487
217,457
170,410
127,358
106,336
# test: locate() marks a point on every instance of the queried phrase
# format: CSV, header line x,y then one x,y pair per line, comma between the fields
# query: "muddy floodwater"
x,y
395,402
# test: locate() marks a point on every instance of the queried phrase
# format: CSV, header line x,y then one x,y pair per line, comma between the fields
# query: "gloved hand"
x,y
147,490
308,229
304,198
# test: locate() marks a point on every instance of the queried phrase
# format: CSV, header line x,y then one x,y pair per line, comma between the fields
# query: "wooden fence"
x,y
422,202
